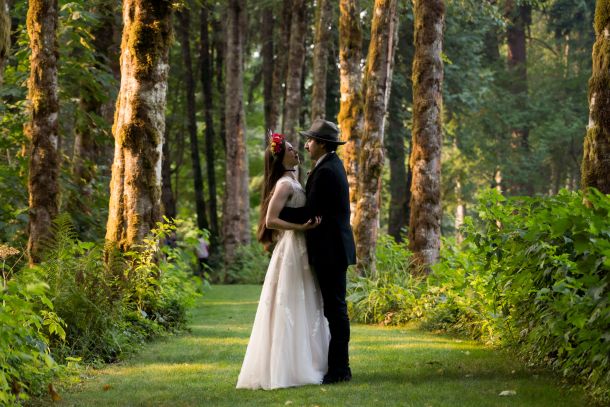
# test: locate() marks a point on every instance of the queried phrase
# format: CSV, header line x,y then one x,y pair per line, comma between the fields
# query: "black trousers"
x,y
332,280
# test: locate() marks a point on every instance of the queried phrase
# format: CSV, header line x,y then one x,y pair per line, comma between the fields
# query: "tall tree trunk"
x,y
377,85
5,36
596,155
425,160
296,58
351,120
167,196
184,31
324,16
236,224
42,130
139,126
208,97
400,179
519,16
267,54
398,133
220,45
279,67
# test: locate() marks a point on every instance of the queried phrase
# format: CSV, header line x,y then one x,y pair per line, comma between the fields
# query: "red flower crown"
x,y
276,142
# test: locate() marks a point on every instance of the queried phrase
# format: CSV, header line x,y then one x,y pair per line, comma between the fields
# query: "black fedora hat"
x,y
323,130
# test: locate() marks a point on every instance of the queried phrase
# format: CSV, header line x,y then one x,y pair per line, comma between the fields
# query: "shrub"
x,y
250,265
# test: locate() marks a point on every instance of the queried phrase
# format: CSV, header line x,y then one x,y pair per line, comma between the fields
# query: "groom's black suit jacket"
x,y
332,242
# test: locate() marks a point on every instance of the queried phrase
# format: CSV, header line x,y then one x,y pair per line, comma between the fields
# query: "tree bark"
x,y
220,45
518,16
5,36
351,120
139,126
400,179
294,73
42,129
425,160
324,16
267,54
167,195
376,89
279,68
596,155
184,24
236,224
398,133
208,103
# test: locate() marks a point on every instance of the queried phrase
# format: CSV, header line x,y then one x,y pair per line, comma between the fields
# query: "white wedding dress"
x,y
289,341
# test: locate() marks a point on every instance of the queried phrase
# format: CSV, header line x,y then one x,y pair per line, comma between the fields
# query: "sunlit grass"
x,y
392,366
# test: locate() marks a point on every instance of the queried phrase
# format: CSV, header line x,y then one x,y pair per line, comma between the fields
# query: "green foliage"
x,y
27,320
112,306
250,265
390,297
532,275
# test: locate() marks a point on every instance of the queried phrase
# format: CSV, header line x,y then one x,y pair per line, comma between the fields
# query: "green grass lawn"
x,y
391,367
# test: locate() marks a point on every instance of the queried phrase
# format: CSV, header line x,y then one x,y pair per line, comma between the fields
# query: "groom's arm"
x,y
295,215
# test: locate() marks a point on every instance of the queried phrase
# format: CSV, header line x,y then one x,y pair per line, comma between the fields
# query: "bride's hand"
x,y
311,223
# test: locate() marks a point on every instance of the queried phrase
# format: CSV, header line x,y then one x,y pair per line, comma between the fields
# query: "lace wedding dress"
x,y
289,341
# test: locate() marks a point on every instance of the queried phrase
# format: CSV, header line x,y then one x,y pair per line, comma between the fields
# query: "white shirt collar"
x,y
321,158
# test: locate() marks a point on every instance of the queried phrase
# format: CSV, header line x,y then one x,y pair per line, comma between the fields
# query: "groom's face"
x,y
315,149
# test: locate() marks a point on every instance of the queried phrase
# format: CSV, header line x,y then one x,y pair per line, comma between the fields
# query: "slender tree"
x,y
324,16
167,195
377,84
518,14
139,126
267,55
294,74
184,32
596,157
236,225
351,120
205,62
398,133
42,129
279,67
219,44
5,36
425,160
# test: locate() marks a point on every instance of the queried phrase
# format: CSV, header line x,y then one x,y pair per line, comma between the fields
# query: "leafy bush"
x,y
532,274
392,296
27,321
250,265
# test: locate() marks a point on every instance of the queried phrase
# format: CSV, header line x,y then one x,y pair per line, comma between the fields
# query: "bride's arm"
x,y
278,200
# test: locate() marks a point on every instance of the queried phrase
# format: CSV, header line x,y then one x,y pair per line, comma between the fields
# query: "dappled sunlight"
x,y
215,342
415,345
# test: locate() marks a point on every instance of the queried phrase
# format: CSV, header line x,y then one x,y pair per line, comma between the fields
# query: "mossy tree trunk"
x,y
208,108
425,160
294,72
376,91
184,32
236,224
42,129
596,155
139,125
324,17
5,36
350,118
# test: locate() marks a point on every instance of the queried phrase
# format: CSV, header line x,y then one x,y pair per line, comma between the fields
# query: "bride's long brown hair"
x,y
274,170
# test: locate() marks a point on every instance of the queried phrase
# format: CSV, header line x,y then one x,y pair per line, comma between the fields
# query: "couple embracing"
x,y
301,329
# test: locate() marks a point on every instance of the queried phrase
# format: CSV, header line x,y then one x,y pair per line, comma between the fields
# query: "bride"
x,y
289,340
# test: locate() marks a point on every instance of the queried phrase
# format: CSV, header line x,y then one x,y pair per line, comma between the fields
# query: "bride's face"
x,y
291,157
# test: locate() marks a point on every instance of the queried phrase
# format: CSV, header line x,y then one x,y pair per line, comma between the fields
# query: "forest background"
x,y
513,115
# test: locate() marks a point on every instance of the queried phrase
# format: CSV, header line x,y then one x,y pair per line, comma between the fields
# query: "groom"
x,y
330,246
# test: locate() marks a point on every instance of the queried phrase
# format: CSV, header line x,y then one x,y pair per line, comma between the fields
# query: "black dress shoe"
x,y
331,378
